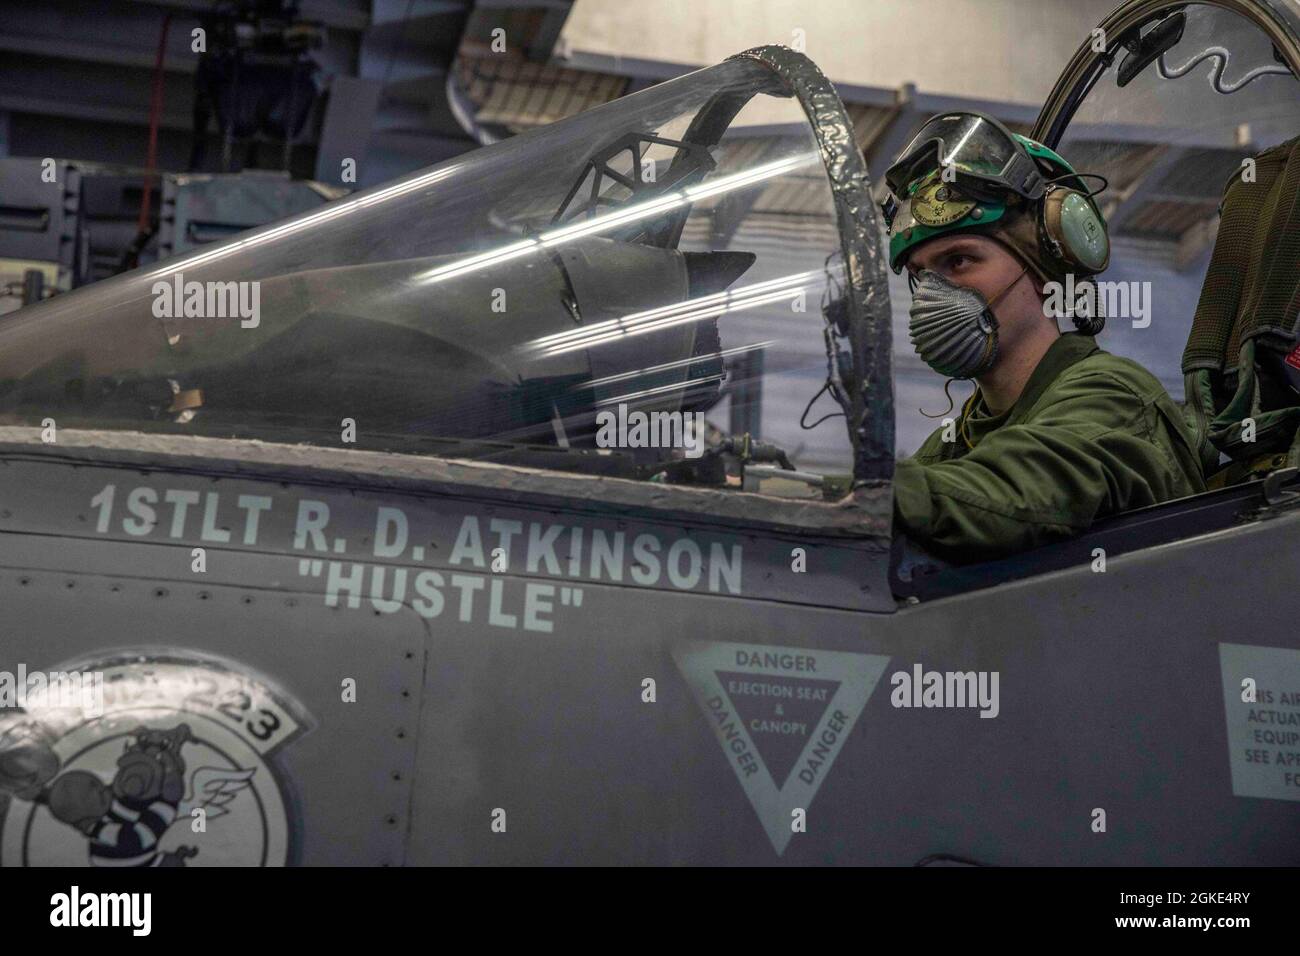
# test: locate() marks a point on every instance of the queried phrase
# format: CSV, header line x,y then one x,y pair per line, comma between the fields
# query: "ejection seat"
x,y
1241,365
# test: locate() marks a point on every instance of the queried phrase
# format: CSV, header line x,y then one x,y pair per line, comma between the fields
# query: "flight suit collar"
x,y
1070,348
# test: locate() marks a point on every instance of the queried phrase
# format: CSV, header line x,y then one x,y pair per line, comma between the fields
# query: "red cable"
x,y
155,115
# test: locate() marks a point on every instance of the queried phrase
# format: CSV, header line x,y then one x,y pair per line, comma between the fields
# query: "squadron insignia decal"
x,y
174,768
782,715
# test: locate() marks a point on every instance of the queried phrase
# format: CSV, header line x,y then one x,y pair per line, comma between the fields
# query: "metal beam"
x,y
1143,188
890,141
347,125
134,115
85,50
550,5
395,11
542,45
333,13
622,65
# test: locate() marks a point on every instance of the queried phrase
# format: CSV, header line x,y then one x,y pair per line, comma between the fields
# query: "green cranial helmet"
x,y
967,172
931,207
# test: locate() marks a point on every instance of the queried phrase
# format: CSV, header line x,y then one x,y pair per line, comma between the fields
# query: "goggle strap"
x,y
1024,177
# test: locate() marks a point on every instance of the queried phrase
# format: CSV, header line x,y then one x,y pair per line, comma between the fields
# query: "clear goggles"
x,y
986,159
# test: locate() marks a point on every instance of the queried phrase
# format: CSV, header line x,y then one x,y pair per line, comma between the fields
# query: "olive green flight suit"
x,y
1092,434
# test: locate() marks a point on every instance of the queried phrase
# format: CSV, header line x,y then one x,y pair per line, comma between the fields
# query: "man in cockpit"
x,y
1058,433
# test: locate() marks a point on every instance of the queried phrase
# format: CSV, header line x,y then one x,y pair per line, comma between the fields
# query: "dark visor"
x,y
981,151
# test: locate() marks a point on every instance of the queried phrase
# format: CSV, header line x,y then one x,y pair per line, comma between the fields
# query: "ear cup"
x,y
1074,231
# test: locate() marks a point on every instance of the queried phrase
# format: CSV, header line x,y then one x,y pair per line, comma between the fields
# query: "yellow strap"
x,y
965,413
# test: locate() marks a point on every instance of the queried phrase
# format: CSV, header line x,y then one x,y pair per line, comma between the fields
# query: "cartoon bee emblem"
x,y
937,203
177,771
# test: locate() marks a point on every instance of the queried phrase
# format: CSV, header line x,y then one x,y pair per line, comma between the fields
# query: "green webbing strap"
x,y
1250,300
1243,430
1252,285
1198,410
